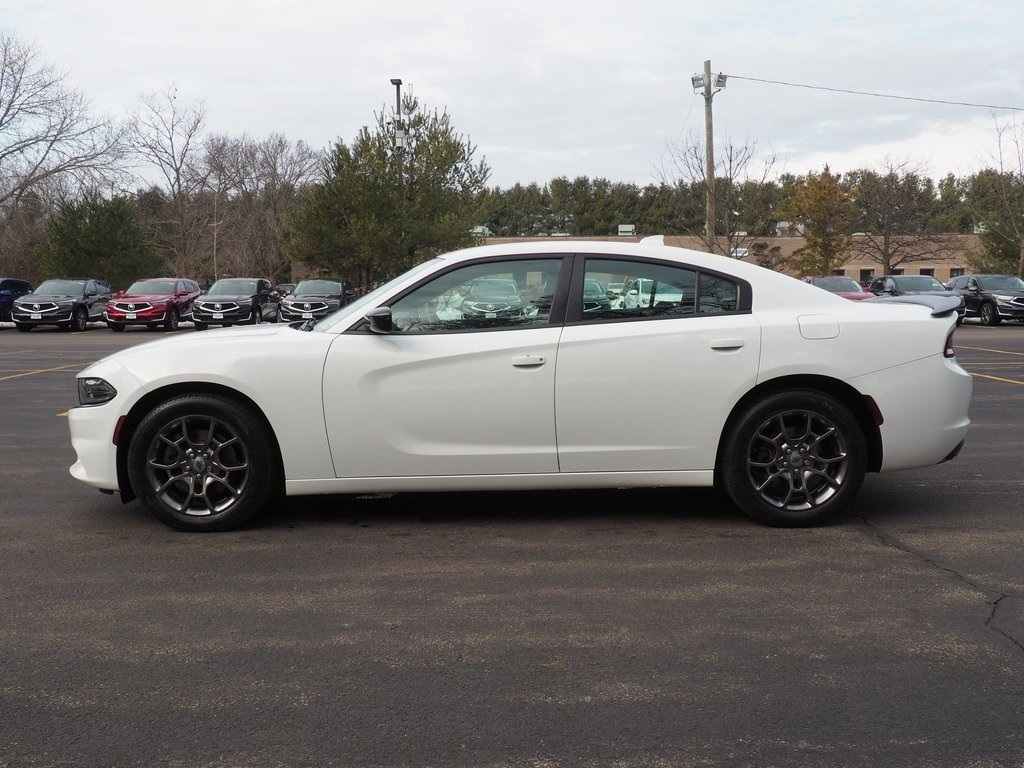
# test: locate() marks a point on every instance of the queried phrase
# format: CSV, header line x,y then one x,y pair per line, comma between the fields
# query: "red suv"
x,y
154,302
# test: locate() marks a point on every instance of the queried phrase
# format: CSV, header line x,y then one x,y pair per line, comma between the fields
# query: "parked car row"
x,y
163,302
887,285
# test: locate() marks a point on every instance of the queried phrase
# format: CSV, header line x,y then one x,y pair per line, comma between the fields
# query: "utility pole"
x,y
710,85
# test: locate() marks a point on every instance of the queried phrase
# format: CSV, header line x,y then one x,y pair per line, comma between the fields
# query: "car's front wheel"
x,y
794,459
202,463
79,319
989,314
171,323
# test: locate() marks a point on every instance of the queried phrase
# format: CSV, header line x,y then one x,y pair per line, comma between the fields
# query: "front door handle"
x,y
528,361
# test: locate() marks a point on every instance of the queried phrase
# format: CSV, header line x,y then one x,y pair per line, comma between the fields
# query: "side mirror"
x,y
380,320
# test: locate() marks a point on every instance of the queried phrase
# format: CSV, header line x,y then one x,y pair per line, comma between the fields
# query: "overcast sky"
x,y
566,87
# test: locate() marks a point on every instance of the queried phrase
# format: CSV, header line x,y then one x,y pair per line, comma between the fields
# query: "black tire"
x,y
23,327
988,314
202,463
199,326
171,323
257,316
79,319
116,326
794,459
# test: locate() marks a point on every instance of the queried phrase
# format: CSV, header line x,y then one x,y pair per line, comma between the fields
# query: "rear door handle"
x,y
726,343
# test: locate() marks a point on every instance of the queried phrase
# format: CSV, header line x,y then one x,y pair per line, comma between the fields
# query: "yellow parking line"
x,y
986,349
997,378
41,370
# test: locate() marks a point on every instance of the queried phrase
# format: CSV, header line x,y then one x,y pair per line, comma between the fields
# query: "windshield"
x,y
838,283
919,283
150,286
61,287
494,290
1003,283
232,288
317,288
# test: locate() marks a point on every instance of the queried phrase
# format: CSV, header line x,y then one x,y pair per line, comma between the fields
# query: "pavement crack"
x,y
993,598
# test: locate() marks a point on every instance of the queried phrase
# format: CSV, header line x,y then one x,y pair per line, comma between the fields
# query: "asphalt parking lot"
x,y
631,628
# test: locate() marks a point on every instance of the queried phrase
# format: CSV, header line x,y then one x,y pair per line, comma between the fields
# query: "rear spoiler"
x,y
939,305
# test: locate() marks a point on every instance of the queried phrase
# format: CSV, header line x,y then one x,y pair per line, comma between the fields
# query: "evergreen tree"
x,y
381,208
96,237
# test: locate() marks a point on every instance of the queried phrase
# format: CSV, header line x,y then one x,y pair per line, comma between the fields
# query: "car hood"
x,y
308,296
138,297
48,296
223,297
928,293
855,295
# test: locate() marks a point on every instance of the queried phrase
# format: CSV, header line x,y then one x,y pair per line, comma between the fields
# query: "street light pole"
x,y
710,85
399,128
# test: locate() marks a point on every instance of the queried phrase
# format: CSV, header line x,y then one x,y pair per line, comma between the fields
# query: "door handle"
x,y
528,361
726,343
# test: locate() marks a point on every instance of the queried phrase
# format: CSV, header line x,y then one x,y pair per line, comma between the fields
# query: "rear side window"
x,y
652,289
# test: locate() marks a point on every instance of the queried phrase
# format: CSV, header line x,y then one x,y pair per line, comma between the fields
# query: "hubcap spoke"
x,y
797,460
198,466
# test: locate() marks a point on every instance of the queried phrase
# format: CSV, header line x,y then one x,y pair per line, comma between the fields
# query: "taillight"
x,y
949,350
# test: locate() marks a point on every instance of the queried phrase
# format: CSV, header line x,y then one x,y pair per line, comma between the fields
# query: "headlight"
x,y
93,390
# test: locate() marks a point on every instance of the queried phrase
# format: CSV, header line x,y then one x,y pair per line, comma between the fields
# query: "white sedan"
x,y
779,393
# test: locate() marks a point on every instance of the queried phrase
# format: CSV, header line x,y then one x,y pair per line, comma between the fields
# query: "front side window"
x,y
478,297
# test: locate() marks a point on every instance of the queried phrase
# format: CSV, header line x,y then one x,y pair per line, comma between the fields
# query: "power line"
x,y
878,95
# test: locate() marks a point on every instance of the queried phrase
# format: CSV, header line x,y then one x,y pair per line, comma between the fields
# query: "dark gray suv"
x,y
315,298
991,298
68,303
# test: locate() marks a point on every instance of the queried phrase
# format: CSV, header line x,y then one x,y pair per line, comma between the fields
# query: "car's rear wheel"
x,y
199,326
116,326
23,327
794,459
202,463
989,314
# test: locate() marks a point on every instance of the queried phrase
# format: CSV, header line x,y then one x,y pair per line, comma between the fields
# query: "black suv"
x,y
10,289
236,301
68,303
315,298
992,298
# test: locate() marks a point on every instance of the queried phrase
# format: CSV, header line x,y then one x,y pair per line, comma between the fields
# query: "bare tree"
x,y
744,198
253,184
895,207
46,131
997,198
166,134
